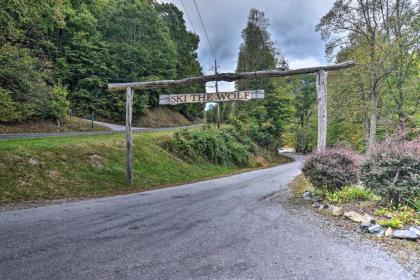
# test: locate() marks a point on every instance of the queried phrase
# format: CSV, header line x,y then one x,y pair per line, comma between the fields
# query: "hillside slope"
x,y
162,117
66,167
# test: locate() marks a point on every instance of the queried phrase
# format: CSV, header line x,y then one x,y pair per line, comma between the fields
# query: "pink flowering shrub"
x,y
392,170
332,168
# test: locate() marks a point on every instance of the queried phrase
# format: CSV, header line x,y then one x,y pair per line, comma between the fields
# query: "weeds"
x,y
351,193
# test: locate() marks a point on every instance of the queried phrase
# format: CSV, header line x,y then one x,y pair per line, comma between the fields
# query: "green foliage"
x,y
383,212
86,44
392,223
384,85
265,120
305,108
210,145
27,90
414,201
351,193
8,108
400,217
332,168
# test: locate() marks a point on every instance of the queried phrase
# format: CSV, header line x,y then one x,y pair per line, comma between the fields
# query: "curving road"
x,y
226,228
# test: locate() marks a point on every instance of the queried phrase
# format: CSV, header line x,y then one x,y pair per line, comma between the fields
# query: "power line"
x,y
188,17
205,30
205,52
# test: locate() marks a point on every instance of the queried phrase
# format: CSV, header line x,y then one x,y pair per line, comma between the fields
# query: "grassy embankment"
x,y
67,167
41,126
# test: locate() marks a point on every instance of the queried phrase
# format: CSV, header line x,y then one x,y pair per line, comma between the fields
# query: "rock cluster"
x,y
367,223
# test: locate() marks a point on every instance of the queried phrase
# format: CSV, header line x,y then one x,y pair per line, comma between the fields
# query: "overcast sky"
x,y
292,29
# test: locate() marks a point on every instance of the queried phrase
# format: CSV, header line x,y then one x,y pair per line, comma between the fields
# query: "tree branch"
x,y
228,77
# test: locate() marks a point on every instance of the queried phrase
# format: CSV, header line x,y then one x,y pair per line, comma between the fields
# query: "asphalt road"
x,y
226,228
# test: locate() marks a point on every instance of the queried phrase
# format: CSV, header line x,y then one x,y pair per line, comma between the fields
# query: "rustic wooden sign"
x,y
174,99
229,77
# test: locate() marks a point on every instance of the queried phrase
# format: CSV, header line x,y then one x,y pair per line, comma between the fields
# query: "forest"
x,y
365,103
57,56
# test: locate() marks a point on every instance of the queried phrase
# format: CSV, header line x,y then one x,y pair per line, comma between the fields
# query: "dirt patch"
x,y
162,117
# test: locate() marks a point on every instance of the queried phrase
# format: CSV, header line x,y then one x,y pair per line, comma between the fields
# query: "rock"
x,y
365,226
354,216
376,229
306,194
316,205
96,160
367,222
336,211
416,230
367,219
323,206
34,161
405,234
388,232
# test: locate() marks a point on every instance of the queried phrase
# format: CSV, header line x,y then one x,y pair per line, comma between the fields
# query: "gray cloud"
x,y
292,28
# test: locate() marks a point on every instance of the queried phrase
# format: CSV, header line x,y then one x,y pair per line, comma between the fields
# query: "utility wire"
x,y
188,17
205,30
205,52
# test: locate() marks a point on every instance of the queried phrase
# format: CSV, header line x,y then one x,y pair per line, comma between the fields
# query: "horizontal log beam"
x,y
228,77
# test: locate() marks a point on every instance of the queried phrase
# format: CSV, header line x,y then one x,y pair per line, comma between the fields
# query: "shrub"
x,y
392,170
332,168
392,223
401,217
210,145
351,193
8,108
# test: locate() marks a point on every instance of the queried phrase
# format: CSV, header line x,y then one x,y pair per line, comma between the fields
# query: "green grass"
x,y
86,166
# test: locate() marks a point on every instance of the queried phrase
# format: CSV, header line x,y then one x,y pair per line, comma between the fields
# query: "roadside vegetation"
x,y
389,192
85,166
60,55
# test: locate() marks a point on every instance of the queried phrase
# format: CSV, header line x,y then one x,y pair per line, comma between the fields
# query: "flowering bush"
x,y
332,168
392,170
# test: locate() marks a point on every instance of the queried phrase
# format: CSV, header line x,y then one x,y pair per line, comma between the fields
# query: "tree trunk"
x,y
373,96
128,133
321,90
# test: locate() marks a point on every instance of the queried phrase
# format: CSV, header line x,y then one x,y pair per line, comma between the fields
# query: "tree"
x,y
403,52
305,110
80,46
369,26
187,63
267,118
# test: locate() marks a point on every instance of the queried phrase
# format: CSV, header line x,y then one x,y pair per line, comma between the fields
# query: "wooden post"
x,y
128,133
217,90
321,92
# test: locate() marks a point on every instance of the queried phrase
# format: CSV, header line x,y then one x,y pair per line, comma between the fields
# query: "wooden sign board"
x,y
175,99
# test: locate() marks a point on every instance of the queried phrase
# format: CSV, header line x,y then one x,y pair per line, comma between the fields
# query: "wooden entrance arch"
x,y
321,88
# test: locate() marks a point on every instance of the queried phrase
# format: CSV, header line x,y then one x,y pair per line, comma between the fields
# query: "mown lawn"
x,y
83,166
